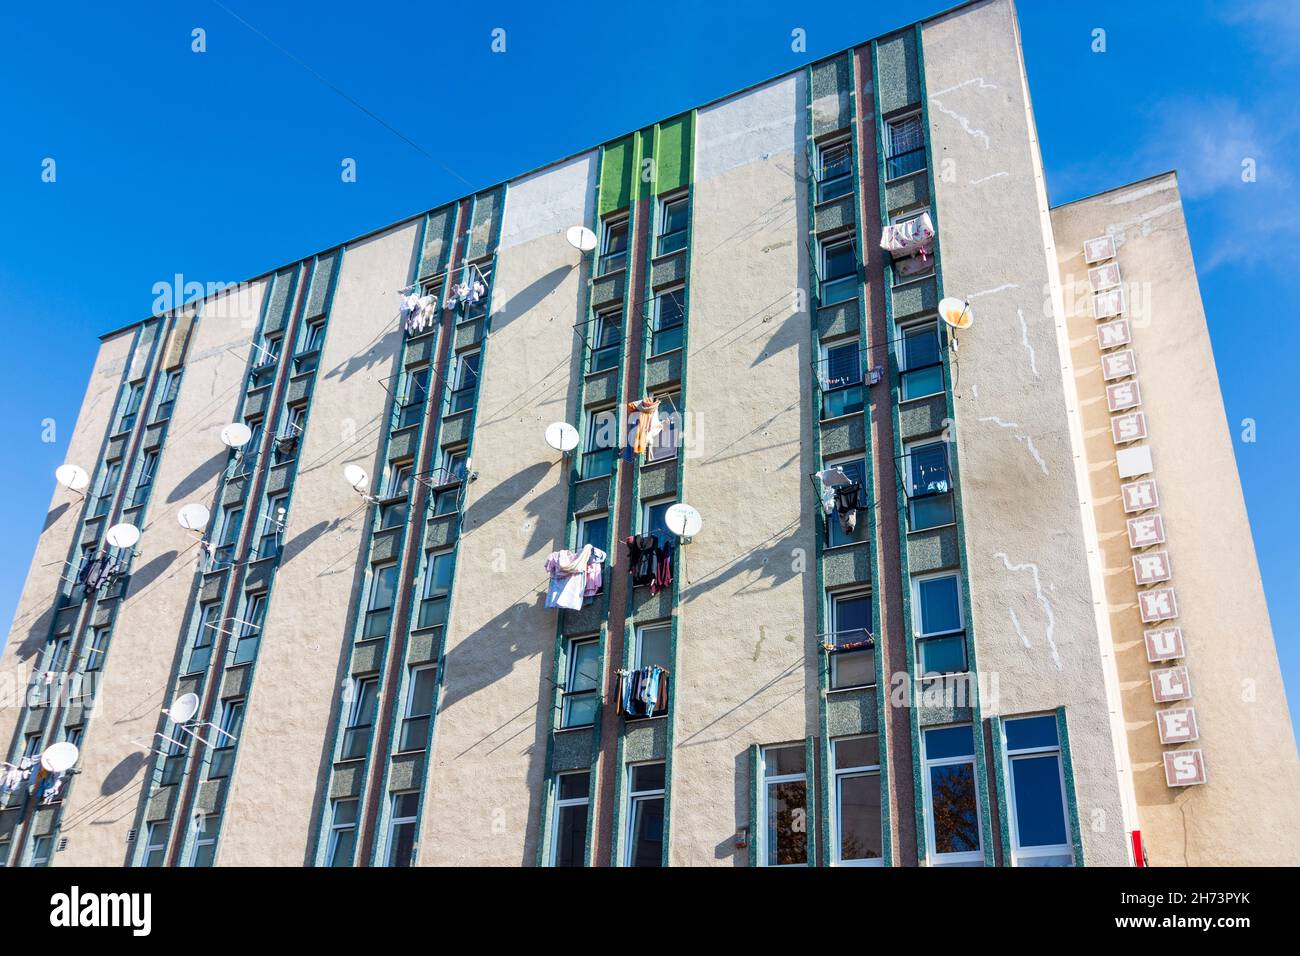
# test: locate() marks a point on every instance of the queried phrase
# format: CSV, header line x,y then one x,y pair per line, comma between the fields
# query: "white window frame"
x,y
662,220
838,775
331,843
950,859
918,632
584,800
201,842
603,319
394,821
765,784
586,520
155,832
607,228
889,143
823,247
834,613
570,674
1019,853
900,348
671,292
640,796
822,150
832,518
595,417
908,448
637,662
673,451
646,506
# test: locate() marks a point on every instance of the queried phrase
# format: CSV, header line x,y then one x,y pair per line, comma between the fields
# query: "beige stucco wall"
x,y
1246,812
270,810
746,651
484,788
103,803
1036,631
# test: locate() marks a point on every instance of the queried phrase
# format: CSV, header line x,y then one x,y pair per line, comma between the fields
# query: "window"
x,y
601,448
851,624
654,646
834,170
421,683
171,386
613,247
856,823
841,379
286,446
855,470
838,272
481,272
569,829
410,409
645,833
273,521
464,382
1036,785
905,142
313,335
921,361
953,822
581,697
784,808
265,360
98,647
606,339
155,845
653,514
148,466
594,531
674,218
454,465
446,500
940,632
131,407
361,717
250,628
223,754
379,609
205,840
224,553
669,320
929,487
664,445
205,635
399,479
41,847
405,809
109,478
392,514
437,588
342,840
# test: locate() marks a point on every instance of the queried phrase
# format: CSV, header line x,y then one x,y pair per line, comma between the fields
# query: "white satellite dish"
x,y
956,313
72,476
356,477
60,757
236,435
122,535
562,436
193,517
183,708
683,521
581,238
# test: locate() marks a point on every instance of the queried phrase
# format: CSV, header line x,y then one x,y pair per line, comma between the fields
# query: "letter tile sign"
x,y
1157,599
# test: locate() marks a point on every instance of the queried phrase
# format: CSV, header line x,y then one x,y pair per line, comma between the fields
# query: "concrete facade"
x,y
320,768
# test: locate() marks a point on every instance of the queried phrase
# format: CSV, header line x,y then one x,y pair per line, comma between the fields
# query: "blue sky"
x,y
220,165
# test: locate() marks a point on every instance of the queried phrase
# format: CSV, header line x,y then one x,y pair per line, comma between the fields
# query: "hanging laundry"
x,y
644,425
466,293
642,692
418,312
569,577
910,237
11,779
98,572
846,506
642,558
831,479
663,568
594,572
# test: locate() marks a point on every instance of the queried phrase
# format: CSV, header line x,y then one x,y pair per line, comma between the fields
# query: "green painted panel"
x,y
673,168
437,245
616,175
897,71
933,550
851,712
482,233
573,749
645,740
318,299
831,82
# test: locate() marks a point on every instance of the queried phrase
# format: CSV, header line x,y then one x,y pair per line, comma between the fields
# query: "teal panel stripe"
x,y
1071,796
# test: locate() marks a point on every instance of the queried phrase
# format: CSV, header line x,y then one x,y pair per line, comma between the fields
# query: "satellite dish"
x,y
581,238
356,476
193,517
236,435
122,535
683,521
562,436
72,476
956,313
183,708
60,757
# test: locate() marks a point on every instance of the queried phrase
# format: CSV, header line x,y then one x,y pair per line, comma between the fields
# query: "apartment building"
x,y
782,483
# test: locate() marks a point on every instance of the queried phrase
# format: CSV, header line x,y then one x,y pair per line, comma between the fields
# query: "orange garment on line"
x,y
645,415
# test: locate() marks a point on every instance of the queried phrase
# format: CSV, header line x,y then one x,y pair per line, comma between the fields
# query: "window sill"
x,y
563,730
664,353
846,690
937,527
665,256
829,305
846,544
840,418
899,179
919,398
612,272
821,203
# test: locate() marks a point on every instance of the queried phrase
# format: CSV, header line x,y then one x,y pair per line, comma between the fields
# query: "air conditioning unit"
x,y
909,238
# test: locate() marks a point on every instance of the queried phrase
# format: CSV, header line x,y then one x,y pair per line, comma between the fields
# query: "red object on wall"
x,y
1139,853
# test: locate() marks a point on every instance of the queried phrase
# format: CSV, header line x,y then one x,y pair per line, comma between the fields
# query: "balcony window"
x,y
205,636
308,357
607,339
569,833
669,320
939,624
674,220
665,445
834,170
265,358
928,485
410,408
250,628
952,808
601,449
613,247
841,375
131,407
422,683
143,484
361,717
581,684
921,361
645,833
167,396
1036,786
856,821
342,841
403,818
379,610
905,141
436,594
784,806
855,665
464,382
838,271
855,469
